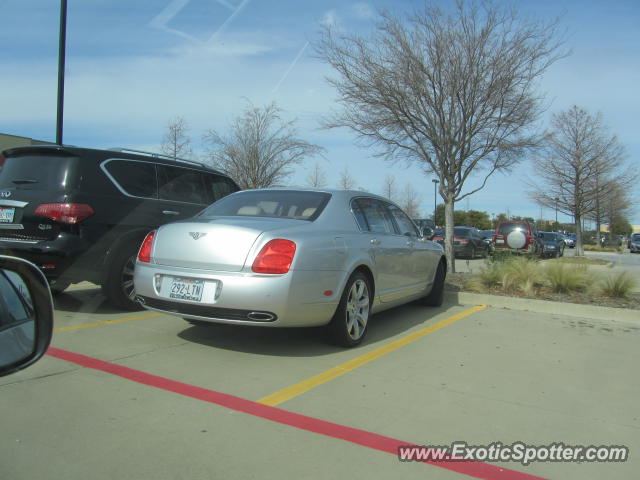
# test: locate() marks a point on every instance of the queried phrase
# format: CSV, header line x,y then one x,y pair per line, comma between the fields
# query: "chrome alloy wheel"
x,y
127,278
357,309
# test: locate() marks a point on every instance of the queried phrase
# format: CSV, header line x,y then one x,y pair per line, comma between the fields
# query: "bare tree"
x,y
610,199
260,149
616,204
454,92
389,189
410,203
317,177
346,181
580,163
175,142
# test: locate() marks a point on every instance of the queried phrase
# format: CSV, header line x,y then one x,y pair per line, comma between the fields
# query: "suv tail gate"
x,y
502,239
35,193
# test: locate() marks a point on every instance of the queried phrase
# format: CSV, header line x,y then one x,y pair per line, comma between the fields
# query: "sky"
x,y
132,67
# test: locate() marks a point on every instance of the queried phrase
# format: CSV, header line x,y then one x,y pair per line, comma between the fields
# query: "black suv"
x,y
81,214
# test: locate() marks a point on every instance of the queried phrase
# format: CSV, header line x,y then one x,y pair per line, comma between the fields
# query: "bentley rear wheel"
x,y
349,324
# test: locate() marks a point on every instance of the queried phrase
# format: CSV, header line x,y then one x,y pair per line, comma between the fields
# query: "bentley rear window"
x,y
298,205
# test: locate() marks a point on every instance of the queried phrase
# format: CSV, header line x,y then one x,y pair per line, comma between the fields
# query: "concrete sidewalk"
x,y
592,312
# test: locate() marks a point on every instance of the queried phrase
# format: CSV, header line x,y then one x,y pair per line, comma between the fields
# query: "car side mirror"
x,y
427,232
540,235
26,314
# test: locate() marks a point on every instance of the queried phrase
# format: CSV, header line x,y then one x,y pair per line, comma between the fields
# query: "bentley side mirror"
x,y
26,314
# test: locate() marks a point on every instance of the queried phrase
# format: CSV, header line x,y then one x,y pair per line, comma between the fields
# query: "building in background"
x,y
8,141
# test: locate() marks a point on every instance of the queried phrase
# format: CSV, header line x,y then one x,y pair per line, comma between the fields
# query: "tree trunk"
x,y
579,249
448,234
598,214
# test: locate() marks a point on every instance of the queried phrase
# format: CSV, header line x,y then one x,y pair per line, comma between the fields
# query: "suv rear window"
x,y
182,185
270,203
135,178
30,172
218,186
148,180
507,228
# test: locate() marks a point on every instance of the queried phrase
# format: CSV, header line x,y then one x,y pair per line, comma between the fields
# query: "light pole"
x,y
557,200
62,40
435,202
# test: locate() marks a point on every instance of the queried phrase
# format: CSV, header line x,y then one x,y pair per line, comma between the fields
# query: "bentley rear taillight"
x,y
144,254
275,257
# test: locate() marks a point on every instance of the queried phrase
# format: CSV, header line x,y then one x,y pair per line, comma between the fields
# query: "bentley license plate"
x,y
6,215
186,289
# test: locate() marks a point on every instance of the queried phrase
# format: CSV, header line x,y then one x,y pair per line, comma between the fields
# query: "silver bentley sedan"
x,y
290,258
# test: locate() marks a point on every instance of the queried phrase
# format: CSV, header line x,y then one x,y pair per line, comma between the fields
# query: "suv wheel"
x,y
118,286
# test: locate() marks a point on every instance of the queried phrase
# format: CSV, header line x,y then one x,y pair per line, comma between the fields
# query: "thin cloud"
x,y
293,64
362,10
329,19
162,20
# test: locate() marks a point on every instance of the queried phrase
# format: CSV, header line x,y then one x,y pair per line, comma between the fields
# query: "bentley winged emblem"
x,y
197,235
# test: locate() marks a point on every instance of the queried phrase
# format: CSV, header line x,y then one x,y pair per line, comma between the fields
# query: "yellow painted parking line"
x,y
106,322
81,286
310,383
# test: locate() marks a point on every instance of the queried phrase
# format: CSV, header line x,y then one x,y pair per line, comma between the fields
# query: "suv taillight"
x,y
275,257
144,254
70,213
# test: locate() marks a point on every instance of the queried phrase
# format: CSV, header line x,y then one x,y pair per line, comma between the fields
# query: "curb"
x,y
545,306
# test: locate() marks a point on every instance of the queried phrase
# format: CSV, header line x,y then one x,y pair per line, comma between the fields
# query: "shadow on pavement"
x,y
308,342
88,300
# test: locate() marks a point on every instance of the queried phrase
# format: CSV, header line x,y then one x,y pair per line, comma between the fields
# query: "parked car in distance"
x,y
517,236
552,244
487,236
614,241
426,226
570,240
467,242
634,243
81,214
290,258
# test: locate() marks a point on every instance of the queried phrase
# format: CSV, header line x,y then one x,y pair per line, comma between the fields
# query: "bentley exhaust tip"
x,y
261,316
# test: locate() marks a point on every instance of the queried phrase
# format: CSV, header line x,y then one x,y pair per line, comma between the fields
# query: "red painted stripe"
x,y
360,437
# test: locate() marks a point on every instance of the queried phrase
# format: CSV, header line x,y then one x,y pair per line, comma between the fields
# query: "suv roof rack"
x,y
160,155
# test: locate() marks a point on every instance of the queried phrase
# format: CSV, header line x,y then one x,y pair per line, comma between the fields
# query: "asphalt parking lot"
x,y
141,395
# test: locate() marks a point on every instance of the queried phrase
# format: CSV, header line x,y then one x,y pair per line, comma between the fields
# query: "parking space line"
x,y
81,286
356,436
106,322
304,386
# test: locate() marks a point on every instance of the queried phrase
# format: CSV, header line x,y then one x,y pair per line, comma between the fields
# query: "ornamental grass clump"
x,y
617,286
521,274
489,277
563,278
